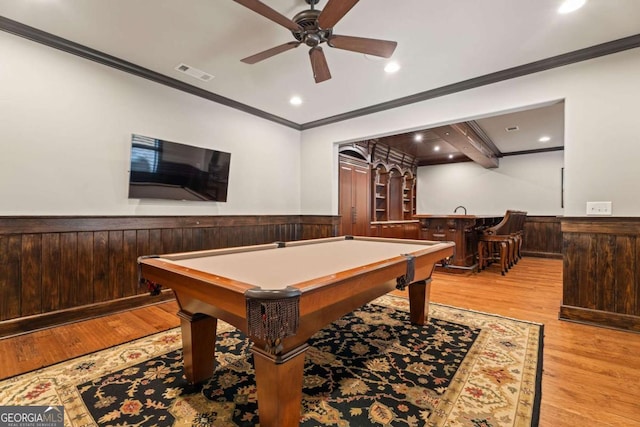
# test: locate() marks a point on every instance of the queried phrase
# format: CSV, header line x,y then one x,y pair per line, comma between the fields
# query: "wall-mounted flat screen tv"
x,y
168,170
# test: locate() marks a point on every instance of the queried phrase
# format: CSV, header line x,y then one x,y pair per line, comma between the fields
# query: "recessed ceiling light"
x,y
544,139
392,67
417,137
436,148
569,6
295,100
451,156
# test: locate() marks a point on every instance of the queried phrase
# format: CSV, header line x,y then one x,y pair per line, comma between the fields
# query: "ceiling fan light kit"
x,y
313,28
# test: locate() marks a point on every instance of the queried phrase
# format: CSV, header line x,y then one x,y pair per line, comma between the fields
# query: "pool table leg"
x,y
198,345
279,384
419,301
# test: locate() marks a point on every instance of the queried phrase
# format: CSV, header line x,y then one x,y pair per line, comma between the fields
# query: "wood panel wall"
x,y
60,269
542,237
601,271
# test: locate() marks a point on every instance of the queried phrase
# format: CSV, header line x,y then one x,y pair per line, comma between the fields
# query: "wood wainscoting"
x,y
601,271
55,270
542,237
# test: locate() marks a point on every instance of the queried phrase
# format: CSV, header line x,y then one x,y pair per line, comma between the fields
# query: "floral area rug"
x,y
370,368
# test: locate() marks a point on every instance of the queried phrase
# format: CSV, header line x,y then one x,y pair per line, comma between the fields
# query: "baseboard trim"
x,y
534,254
28,324
600,318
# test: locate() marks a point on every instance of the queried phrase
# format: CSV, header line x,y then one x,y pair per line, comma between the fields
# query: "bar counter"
x,y
462,230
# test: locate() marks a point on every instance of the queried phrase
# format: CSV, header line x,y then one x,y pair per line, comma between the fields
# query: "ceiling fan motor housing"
x,y
311,34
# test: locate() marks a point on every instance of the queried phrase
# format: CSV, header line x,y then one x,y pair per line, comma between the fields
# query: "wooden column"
x,y
601,271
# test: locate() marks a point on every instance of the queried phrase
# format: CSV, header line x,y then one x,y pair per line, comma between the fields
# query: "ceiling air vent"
x,y
194,72
512,129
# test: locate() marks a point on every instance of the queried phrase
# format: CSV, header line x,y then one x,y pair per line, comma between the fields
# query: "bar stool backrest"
x,y
513,222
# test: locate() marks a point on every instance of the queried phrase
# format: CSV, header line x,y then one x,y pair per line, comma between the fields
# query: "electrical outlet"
x,y
599,208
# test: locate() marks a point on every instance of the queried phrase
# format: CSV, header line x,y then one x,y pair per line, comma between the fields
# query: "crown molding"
x,y
585,54
73,48
68,46
536,151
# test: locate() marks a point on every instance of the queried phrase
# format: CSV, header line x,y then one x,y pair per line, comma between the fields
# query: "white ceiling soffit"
x,y
437,42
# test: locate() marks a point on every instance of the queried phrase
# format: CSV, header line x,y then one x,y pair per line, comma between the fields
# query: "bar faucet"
x,y
456,209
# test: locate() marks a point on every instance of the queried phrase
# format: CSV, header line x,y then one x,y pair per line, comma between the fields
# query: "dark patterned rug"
x,y
372,367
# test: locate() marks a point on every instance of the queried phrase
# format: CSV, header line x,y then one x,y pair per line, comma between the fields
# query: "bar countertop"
x,y
455,216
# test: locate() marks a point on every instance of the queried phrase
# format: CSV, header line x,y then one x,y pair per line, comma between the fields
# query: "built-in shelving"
x,y
393,193
380,192
408,195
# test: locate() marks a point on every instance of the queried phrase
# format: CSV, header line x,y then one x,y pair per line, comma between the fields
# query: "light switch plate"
x,y
599,208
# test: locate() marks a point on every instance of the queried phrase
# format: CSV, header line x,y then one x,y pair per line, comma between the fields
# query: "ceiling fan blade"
x,y
267,12
383,48
319,65
270,52
334,11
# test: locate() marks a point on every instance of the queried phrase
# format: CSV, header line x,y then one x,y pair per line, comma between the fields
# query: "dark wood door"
x,y
354,198
346,196
361,203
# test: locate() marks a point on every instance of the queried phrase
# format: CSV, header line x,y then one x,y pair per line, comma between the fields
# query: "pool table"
x,y
280,294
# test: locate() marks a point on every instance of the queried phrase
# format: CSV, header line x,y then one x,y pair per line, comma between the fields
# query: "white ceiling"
x,y
532,124
440,42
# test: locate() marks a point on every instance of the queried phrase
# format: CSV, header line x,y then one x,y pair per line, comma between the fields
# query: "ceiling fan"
x,y
314,27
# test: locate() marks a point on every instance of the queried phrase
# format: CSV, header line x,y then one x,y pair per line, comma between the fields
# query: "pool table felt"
x,y
277,268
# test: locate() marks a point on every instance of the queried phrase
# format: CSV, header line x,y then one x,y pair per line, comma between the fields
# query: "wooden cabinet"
x,y
354,178
377,192
396,229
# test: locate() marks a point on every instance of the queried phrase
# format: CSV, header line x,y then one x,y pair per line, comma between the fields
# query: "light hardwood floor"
x,y
591,375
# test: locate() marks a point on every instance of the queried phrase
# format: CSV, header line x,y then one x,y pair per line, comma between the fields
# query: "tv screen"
x,y
168,170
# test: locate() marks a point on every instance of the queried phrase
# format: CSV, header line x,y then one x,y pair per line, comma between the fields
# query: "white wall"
x,y
602,145
530,182
65,130
65,124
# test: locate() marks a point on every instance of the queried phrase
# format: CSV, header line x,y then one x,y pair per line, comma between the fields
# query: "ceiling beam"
x,y
465,140
486,139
